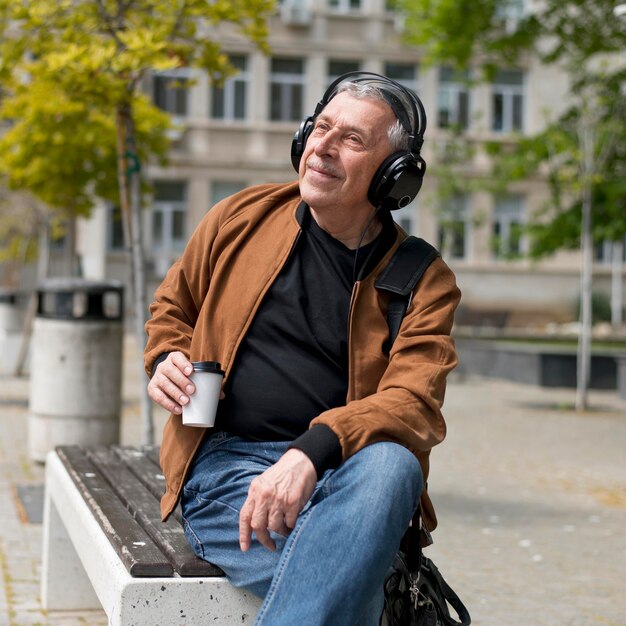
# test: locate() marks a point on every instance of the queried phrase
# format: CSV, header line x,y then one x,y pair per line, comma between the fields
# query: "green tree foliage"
x,y
64,151
489,33
580,35
556,153
462,32
71,72
581,153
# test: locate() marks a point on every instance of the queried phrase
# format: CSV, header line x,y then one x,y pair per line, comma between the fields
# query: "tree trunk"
x,y
617,291
141,305
586,245
130,201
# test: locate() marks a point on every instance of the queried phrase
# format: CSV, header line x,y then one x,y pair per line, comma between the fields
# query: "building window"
x,y
453,99
221,189
338,68
507,228
170,91
229,102
508,101
286,90
403,73
453,227
345,6
115,228
169,227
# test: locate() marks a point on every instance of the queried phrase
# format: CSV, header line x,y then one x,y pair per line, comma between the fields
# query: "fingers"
x,y
245,525
170,386
258,520
262,533
276,523
275,499
254,518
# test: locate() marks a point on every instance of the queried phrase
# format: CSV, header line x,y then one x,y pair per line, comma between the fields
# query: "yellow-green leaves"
x,y
68,67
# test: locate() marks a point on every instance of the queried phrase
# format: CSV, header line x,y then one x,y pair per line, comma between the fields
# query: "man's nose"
x,y
327,144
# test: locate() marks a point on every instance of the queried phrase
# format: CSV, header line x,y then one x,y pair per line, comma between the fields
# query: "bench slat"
x,y
147,469
141,463
134,547
144,506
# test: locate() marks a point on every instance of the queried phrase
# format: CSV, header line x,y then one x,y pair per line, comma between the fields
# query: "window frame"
x,y
184,76
230,100
168,244
455,89
290,84
511,215
509,93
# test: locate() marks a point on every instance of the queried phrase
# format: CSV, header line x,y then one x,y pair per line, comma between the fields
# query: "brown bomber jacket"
x,y
209,297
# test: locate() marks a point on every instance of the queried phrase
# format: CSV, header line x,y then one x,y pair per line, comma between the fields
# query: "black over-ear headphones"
x,y
399,178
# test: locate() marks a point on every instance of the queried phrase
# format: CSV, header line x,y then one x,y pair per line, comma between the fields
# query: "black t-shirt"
x,y
293,362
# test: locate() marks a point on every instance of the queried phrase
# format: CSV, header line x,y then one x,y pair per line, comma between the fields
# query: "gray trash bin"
x,y
76,365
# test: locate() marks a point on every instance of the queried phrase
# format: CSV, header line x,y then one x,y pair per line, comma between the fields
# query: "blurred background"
x,y
121,128
122,122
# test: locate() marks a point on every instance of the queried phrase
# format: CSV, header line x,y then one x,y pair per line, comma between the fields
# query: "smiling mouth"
x,y
322,170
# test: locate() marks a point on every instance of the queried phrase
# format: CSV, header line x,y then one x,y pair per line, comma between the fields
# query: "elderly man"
x,y
317,461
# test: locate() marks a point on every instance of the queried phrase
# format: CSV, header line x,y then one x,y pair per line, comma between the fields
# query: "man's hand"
x,y
170,386
275,499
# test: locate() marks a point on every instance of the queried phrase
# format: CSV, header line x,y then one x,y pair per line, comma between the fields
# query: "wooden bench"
x,y
104,545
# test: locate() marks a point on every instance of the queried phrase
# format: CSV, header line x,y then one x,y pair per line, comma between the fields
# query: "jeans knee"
x,y
393,470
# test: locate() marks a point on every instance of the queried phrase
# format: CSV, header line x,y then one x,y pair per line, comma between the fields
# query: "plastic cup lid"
x,y
207,366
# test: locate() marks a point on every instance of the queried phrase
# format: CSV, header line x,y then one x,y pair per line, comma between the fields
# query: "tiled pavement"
x,y
531,499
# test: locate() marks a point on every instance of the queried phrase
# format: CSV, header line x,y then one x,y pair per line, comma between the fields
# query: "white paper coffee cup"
x,y
202,406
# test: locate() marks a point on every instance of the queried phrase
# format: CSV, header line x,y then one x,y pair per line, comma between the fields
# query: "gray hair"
x,y
398,136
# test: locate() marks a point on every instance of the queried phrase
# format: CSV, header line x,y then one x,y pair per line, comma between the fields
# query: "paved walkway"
x,y
531,498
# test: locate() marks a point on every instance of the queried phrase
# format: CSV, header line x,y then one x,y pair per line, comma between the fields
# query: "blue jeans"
x,y
330,569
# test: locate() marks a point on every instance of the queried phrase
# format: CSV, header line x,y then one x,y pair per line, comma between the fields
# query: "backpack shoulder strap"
x,y
400,277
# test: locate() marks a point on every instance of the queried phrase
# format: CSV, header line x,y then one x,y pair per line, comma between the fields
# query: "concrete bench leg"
x,y
64,582
78,556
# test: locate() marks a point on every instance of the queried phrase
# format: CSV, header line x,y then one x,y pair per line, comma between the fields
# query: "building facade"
x,y
238,135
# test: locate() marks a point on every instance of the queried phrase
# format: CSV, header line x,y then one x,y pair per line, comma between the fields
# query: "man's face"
x,y
347,145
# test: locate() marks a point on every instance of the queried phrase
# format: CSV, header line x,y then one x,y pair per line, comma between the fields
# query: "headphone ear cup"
x,y
299,140
397,181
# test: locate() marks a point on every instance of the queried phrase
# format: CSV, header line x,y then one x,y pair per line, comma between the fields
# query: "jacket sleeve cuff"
x,y
158,360
322,446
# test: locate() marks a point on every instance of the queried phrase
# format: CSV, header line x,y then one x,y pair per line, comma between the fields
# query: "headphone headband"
x,y
415,128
